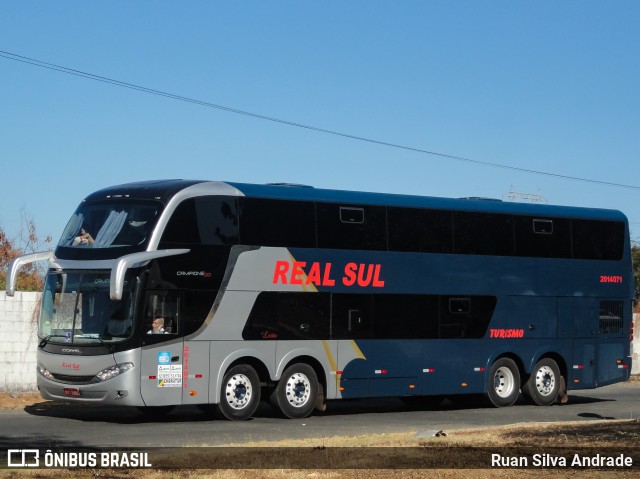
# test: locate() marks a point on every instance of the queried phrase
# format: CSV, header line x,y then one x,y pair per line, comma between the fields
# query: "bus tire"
x,y
504,383
239,393
543,386
296,394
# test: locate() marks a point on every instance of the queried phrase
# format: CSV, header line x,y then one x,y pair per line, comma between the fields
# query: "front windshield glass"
x,y
77,309
111,224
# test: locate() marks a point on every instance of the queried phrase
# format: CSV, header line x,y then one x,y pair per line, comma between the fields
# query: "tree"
x,y
31,276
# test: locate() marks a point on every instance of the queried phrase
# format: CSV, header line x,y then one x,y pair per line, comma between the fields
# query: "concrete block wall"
x,y
18,341
635,345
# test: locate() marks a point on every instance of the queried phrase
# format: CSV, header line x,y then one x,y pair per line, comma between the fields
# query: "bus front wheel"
x,y
543,385
297,391
504,383
240,393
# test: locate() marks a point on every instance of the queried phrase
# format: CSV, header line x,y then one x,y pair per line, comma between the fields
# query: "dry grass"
x,y
594,434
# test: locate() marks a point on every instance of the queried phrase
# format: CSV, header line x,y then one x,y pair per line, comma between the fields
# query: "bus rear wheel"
x,y
297,391
504,383
239,393
543,385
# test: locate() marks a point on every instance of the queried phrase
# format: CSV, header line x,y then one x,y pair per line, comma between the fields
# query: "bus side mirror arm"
x,y
125,262
19,262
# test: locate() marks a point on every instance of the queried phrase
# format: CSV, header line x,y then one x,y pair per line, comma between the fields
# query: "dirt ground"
x,y
18,401
587,438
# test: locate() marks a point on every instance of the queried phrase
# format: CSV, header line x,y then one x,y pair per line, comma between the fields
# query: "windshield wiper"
x,y
45,340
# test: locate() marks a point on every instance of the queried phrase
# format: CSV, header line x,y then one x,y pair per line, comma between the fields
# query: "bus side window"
x,y
351,316
166,306
351,226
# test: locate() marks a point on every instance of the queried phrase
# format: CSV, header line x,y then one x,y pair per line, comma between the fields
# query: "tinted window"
x,y
405,316
351,227
598,239
209,220
289,316
277,223
427,231
363,316
114,224
351,316
465,317
542,237
483,234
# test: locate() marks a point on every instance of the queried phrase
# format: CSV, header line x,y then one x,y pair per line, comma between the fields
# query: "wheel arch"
x,y
242,357
555,356
510,355
317,366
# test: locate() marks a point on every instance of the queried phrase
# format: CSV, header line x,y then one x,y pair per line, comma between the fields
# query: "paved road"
x,y
46,426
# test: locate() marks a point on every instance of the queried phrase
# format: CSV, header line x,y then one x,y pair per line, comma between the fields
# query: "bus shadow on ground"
x,y
344,407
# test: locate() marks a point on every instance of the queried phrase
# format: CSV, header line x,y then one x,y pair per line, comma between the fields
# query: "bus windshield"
x,y
77,309
110,224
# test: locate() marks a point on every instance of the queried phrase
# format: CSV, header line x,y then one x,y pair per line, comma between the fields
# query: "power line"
x,y
91,76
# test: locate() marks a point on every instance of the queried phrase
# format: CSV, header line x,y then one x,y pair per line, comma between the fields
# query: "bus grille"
x,y
611,314
73,379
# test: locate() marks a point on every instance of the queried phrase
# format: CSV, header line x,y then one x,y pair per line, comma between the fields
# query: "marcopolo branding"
x,y
202,274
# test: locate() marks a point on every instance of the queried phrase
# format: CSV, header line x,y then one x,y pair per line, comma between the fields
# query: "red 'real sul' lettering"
x,y
297,272
314,274
377,282
326,279
364,274
350,276
280,272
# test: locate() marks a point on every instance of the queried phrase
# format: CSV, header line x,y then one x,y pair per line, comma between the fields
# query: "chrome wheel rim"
x,y
297,390
504,382
545,380
238,391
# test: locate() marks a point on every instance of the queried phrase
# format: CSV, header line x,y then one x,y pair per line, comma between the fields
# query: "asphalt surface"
x,y
44,425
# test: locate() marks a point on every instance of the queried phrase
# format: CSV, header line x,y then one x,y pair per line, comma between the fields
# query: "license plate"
x,y
72,392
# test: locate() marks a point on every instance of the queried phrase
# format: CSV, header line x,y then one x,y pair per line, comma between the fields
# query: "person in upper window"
x,y
83,239
157,326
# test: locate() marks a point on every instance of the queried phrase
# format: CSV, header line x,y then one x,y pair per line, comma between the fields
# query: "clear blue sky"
x,y
547,86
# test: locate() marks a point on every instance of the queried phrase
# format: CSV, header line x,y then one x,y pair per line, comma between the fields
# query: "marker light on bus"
x,y
113,371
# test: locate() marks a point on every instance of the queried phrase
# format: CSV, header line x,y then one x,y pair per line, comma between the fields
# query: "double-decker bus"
x,y
301,295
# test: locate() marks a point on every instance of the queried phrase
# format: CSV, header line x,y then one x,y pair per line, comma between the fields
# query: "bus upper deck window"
x,y
544,227
351,215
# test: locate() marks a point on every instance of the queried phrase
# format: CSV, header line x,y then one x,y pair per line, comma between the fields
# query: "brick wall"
x,y
18,341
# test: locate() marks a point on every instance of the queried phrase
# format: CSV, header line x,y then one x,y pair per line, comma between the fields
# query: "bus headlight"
x,y
44,371
113,371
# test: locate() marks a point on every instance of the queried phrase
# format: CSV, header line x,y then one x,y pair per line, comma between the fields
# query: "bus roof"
x,y
296,192
164,190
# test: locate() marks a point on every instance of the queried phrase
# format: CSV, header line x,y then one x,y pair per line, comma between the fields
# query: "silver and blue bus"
x,y
176,292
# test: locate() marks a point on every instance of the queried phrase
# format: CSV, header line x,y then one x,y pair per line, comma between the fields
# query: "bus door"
x,y
613,341
585,340
161,364
374,361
